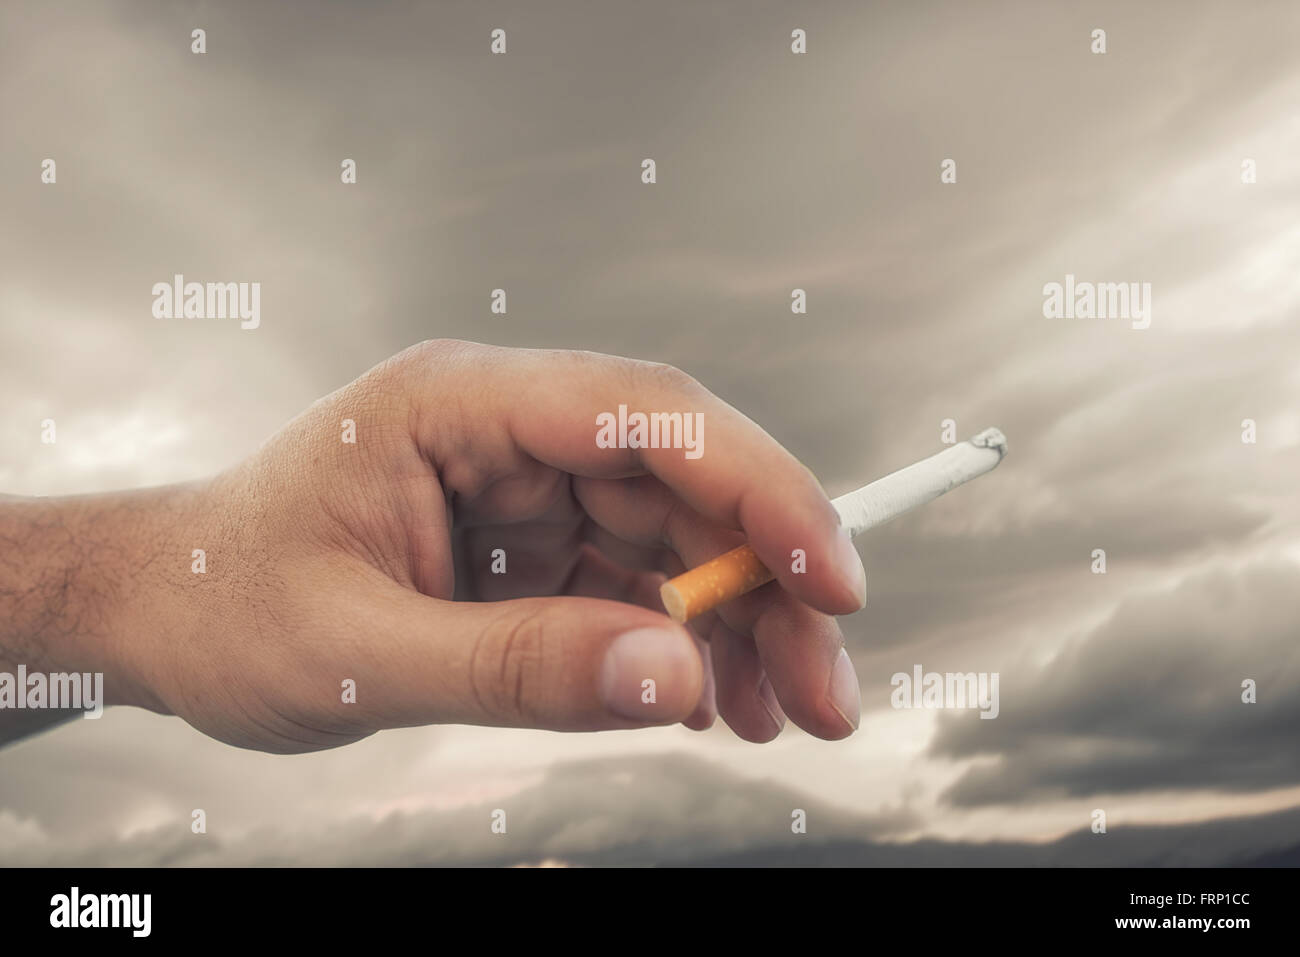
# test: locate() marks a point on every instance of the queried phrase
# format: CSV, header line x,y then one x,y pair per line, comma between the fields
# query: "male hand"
x,y
372,562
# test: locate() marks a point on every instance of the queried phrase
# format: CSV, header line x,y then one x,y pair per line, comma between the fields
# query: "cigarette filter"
x,y
738,571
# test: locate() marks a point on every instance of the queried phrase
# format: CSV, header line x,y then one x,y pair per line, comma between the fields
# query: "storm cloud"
x,y
775,172
1152,699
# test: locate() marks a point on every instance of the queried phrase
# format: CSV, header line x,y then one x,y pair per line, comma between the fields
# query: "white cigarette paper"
x,y
904,490
740,570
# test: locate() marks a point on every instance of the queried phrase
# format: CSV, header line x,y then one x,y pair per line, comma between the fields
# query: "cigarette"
x,y
738,571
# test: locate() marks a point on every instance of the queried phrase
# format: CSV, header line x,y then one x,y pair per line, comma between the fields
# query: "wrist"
x,y
84,586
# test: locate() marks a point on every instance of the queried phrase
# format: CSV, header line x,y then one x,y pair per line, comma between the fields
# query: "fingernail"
x,y
767,698
853,572
650,674
843,692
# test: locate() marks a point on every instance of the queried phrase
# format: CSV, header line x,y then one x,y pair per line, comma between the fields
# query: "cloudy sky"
x,y
776,171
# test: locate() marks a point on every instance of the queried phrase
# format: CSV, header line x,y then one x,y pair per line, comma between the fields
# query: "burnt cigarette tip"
x,y
991,438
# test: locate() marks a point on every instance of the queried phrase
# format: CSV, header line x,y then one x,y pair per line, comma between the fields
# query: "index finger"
x,y
608,417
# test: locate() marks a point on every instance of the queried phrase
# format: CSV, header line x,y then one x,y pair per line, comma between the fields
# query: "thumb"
x,y
564,664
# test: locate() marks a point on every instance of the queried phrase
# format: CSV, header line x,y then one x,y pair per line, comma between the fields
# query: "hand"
x,y
372,562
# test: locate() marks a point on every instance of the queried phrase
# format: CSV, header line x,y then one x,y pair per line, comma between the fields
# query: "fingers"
x,y
706,712
481,411
595,576
800,649
745,697
565,664
803,654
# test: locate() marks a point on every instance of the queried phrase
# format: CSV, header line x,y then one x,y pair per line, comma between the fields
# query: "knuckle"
x,y
663,375
507,668
419,358
434,348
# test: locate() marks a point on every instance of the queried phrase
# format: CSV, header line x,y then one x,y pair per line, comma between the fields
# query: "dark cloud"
x,y
1266,840
775,172
1150,700
673,810
653,810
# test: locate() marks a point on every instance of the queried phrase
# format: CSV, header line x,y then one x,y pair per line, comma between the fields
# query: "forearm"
x,y
79,581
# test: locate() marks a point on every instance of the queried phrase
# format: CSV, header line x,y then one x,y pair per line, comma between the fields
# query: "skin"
x,y
371,561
